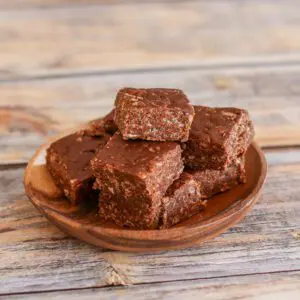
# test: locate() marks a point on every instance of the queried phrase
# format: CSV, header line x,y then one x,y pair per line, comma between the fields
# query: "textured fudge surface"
x,y
216,181
182,200
68,161
133,177
217,136
136,213
102,126
153,114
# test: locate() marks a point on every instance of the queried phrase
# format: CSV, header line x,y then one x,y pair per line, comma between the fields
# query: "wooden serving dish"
x,y
222,212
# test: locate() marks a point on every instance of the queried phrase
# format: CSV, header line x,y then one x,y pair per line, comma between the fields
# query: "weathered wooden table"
x,y
61,63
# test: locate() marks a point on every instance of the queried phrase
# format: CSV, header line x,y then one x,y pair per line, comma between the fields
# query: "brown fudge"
x,y
182,200
217,136
153,114
102,126
68,161
133,177
216,181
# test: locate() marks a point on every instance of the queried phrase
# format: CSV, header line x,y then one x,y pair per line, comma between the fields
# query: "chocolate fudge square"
x,y
153,114
217,136
68,161
133,176
216,181
182,200
102,126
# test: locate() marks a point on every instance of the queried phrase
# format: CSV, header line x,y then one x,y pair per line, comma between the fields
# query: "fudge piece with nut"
x,y
153,114
68,161
133,176
217,136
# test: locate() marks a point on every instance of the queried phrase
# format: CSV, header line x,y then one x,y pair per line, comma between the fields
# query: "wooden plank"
x,y
35,256
31,110
48,4
39,4
76,38
260,286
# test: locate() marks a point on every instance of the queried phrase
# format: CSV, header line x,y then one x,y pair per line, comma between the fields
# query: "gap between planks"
x,y
145,284
182,287
12,166
279,63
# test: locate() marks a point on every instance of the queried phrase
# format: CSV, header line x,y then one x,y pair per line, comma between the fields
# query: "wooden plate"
x,y
223,211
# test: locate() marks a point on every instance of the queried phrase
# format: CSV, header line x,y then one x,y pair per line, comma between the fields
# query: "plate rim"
x,y
238,208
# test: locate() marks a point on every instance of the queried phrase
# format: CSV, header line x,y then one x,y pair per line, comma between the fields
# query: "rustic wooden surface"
x,y
36,256
32,109
61,62
80,36
257,286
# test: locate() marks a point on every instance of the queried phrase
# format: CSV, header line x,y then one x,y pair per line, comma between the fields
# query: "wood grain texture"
x,y
48,4
35,256
61,62
31,110
77,37
260,286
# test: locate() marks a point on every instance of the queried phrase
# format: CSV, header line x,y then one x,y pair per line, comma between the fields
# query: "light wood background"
x,y
61,63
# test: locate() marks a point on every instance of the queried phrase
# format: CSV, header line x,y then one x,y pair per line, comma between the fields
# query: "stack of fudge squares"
x,y
155,159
